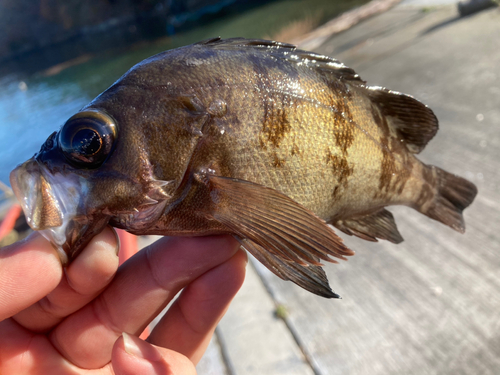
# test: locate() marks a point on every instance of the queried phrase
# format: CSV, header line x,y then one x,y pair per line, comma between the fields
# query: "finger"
x,y
141,288
190,323
29,270
25,352
133,356
83,280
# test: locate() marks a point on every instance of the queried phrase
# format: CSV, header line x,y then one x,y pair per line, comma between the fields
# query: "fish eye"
x,y
87,138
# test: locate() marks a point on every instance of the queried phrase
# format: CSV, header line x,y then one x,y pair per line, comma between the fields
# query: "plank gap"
x,y
289,326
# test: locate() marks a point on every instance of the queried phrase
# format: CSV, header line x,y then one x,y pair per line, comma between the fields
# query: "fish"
x,y
276,146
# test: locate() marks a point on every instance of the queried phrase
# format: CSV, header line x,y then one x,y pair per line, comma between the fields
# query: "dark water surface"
x,y
33,106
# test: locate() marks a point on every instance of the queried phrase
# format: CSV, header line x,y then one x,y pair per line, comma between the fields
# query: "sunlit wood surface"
x,y
430,305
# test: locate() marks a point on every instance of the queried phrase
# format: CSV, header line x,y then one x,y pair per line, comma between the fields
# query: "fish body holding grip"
x,y
249,137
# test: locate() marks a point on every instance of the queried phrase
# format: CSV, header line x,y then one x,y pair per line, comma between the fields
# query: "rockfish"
x,y
252,138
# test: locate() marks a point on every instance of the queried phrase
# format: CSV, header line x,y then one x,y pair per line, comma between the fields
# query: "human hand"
x,y
72,321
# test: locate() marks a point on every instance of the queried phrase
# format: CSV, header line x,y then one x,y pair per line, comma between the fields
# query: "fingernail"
x,y
117,237
140,349
246,256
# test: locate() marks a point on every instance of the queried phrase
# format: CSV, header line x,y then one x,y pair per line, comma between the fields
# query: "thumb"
x,y
132,356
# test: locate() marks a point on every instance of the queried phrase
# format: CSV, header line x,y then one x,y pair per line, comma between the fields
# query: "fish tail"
x,y
452,195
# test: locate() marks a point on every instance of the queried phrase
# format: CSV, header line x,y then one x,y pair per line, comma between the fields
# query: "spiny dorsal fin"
x,y
380,224
242,42
410,119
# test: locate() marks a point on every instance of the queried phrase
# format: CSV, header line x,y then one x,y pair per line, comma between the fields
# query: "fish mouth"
x,y
50,203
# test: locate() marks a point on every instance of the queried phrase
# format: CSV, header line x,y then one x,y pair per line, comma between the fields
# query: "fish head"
x,y
95,170
119,160
53,186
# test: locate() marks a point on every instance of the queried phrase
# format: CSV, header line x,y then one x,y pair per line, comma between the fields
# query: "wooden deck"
x,y
430,305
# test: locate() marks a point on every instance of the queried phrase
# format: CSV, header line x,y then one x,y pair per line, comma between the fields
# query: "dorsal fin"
x,y
241,42
411,120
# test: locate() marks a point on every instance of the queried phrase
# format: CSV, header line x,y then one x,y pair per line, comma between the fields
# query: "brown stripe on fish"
x,y
277,161
339,88
270,73
277,104
427,191
396,169
341,170
282,72
295,150
406,164
387,164
387,168
343,121
217,82
396,165
343,132
380,120
275,125
260,70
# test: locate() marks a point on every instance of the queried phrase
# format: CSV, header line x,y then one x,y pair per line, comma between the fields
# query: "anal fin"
x,y
380,225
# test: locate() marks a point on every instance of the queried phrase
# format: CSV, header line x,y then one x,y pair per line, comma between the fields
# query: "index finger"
x,y
140,290
81,282
29,270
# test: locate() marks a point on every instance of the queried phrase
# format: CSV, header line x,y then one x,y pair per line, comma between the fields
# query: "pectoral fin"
x,y
380,224
293,237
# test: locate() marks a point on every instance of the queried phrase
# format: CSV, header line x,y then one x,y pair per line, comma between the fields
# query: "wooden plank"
x,y
353,41
212,363
429,305
254,339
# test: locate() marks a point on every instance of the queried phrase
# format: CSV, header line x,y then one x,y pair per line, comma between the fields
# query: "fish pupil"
x,y
86,142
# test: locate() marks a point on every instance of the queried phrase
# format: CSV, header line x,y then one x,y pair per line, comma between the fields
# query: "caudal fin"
x,y
454,195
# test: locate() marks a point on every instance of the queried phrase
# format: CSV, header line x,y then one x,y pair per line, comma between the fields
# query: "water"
x,y
32,107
